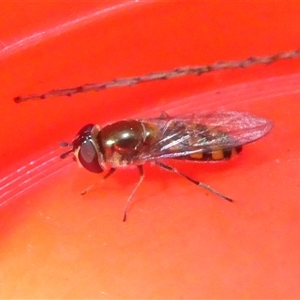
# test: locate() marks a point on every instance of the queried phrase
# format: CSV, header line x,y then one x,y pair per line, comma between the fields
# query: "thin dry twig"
x,y
183,71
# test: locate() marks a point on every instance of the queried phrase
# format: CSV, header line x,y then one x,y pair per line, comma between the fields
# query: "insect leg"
x,y
199,183
111,171
164,115
141,171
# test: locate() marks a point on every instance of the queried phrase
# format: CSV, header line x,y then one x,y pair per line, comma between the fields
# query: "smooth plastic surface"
x,y
180,241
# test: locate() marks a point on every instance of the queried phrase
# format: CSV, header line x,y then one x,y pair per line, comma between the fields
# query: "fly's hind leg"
x,y
199,183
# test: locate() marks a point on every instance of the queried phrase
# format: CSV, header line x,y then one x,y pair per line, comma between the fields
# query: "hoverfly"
x,y
204,137
208,137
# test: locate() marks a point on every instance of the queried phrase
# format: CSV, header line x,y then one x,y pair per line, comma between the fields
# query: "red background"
x,y
179,241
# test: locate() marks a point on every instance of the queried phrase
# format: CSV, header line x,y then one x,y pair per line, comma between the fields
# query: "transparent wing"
x,y
185,135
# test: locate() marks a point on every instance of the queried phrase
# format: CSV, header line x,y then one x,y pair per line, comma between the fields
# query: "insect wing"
x,y
185,135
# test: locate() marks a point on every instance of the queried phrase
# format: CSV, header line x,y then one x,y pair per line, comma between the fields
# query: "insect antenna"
x,y
142,176
65,145
199,183
65,154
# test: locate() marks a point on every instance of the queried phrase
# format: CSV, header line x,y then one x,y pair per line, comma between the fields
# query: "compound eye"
x,y
88,157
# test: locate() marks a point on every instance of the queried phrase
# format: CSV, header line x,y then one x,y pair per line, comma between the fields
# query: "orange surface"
x,y
179,241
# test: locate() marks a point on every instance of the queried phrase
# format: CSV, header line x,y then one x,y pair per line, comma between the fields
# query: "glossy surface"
x,y
180,242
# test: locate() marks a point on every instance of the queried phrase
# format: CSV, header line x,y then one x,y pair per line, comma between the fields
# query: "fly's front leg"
x,y
110,172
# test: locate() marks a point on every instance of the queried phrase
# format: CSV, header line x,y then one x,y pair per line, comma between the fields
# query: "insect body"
x,y
211,136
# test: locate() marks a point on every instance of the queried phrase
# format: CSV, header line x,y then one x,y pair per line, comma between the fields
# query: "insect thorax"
x,y
123,141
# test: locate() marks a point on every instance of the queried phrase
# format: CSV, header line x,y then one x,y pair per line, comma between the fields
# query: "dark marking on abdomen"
x,y
216,155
